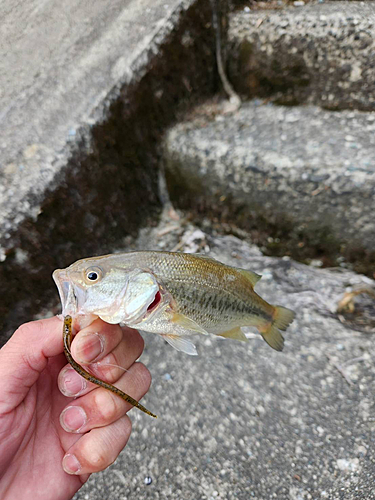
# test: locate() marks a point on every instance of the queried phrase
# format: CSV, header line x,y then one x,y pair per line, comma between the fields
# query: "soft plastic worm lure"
x,y
67,337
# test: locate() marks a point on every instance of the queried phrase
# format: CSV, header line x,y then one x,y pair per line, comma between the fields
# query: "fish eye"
x,y
93,274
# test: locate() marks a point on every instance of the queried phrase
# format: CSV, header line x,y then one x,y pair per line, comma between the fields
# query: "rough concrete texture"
x,y
85,93
319,53
59,63
302,168
243,421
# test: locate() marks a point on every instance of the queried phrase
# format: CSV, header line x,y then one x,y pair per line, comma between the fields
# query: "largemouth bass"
x,y
176,295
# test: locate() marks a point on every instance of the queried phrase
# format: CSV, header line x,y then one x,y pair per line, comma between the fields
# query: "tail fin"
x,y
281,320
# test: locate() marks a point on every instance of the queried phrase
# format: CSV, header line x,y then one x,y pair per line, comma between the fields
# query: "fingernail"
x,y
73,418
72,383
89,347
70,464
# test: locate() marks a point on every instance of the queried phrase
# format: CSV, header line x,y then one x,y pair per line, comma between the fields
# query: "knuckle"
x,y
105,404
98,459
127,425
100,452
134,339
107,368
142,376
124,429
117,330
26,333
110,331
140,344
27,329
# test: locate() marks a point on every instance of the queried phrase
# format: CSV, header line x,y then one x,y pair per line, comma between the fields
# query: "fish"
x,y
174,294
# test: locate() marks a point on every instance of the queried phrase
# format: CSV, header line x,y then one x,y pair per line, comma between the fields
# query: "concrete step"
x,y
85,94
307,172
321,54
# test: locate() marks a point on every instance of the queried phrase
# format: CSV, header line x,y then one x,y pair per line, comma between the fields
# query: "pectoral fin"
x,y
236,334
187,323
181,344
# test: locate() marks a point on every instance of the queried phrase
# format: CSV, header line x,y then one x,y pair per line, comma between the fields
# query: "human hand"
x,y
46,450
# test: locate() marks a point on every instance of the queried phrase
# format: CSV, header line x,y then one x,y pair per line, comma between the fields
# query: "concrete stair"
x,y
320,54
300,173
85,94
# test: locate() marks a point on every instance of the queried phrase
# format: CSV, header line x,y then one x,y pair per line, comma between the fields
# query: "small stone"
x,y
361,451
348,465
316,263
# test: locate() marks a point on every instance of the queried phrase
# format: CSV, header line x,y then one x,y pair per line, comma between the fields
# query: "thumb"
x,y
25,356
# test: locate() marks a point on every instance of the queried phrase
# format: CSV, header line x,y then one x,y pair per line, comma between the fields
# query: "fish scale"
x,y
211,305
209,309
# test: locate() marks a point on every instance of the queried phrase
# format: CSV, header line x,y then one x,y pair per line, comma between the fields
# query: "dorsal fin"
x,y
207,257
250,275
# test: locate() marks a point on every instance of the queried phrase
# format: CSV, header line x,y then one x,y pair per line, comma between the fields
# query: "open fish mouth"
x,y
137,297
72,296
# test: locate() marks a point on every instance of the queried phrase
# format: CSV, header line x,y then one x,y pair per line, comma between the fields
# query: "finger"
x,y
101,407
25,356
110,368
95,341
97,449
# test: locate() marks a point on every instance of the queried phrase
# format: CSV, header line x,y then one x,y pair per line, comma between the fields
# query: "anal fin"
x,y
235,333
181,344
273,338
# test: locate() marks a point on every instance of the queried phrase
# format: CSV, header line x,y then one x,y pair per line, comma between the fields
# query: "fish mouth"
x,y
72,296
